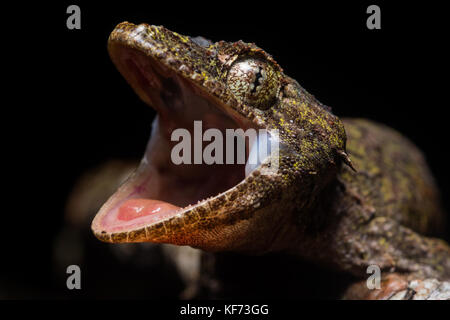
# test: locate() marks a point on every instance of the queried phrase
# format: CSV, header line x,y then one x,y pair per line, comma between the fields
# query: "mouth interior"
x,y
160,189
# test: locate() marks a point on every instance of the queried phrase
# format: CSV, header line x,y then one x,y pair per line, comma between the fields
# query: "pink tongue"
x,y
135,208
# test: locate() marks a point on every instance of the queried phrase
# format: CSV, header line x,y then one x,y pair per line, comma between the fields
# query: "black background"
x,y
72,110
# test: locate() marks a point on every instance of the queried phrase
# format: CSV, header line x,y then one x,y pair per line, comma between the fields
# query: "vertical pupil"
x,y
258,76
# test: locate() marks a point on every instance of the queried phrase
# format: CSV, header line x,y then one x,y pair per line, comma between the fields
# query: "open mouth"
x,y
160,189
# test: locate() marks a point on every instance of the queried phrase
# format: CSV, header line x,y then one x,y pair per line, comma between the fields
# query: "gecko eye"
x,y
253,82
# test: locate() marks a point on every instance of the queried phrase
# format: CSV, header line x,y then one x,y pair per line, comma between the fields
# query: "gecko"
x,y
347,193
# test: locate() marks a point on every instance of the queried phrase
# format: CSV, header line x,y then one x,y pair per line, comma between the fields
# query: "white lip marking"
x,y
266,145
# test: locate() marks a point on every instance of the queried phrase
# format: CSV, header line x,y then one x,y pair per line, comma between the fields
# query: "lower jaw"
x,y
160,190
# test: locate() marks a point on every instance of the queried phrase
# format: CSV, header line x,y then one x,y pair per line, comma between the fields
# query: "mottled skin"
x,y
320,205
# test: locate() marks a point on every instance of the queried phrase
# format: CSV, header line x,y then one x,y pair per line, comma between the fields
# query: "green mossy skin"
x,y
394,184
392,176
314,206
378,214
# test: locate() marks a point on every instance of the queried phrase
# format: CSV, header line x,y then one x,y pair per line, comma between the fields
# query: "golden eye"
x,y
253,82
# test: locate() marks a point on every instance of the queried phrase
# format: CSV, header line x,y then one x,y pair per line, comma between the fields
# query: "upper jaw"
x,y
169,54
204,67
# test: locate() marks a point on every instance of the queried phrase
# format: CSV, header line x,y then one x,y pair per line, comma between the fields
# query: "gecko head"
x,y
234,205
